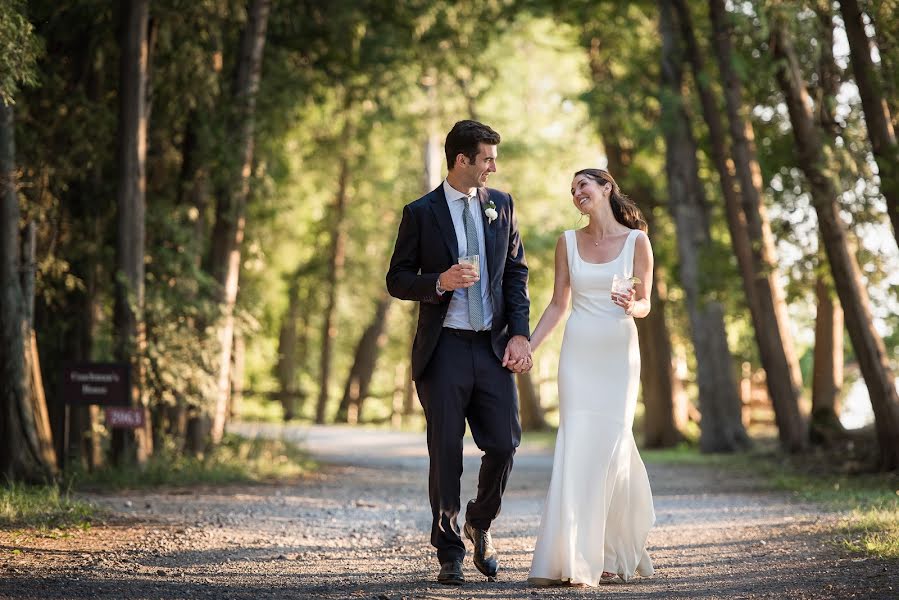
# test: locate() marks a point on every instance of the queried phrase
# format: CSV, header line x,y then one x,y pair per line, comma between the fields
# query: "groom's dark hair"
x,y
464,138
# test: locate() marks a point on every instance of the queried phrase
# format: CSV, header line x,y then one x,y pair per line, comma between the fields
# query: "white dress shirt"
x,y
457,314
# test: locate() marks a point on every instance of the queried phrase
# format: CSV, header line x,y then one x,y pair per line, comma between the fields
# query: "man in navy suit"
x,y
472,336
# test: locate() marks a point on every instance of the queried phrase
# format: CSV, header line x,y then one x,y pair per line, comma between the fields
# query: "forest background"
x,y
209,191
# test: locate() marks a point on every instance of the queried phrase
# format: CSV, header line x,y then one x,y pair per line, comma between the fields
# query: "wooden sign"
x,y
106,384
124,417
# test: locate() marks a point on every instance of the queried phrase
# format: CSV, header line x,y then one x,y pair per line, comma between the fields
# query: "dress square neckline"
x,y
577,250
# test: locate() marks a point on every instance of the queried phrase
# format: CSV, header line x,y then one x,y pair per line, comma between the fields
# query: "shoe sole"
x,y
451,581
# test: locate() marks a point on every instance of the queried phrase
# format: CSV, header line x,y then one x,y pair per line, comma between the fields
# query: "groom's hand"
x,y
517,357
458,276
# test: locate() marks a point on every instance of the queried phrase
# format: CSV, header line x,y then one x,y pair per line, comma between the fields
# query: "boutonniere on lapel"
x,y
490,212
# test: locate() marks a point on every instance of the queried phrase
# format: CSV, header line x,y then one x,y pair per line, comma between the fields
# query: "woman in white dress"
x,y
598,510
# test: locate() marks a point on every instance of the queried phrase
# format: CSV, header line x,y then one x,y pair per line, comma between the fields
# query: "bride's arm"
x,y
559,303
643,264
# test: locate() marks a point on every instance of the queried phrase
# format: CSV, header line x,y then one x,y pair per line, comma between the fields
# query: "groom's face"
x,y
484,164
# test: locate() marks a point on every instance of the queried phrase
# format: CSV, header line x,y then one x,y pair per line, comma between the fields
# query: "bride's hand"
x,y
517,357
625,301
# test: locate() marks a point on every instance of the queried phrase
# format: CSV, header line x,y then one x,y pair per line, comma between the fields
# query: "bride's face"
x,y
586,193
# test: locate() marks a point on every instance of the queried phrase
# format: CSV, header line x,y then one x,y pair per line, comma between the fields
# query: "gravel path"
x,y
358,529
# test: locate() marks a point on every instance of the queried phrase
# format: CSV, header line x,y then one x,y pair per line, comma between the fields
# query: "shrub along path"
x,y
358,529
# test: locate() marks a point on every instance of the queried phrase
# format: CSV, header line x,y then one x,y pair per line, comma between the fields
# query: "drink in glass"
x,y
622,284
473,260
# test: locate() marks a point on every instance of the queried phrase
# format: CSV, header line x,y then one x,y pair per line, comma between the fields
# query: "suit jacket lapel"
x,y
489,233
445,222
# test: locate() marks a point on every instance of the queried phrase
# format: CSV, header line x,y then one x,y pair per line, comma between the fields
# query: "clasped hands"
x,y
517,357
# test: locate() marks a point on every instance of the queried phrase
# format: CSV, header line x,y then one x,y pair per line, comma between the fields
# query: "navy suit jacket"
x,y
426,246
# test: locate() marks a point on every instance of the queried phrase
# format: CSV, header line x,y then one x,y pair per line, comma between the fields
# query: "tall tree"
x,y
130,328
21,456
230,213
292,342
657,371
827,367
657,368
364,362
827,370
719,402
877,112
819,172
336,258
750,222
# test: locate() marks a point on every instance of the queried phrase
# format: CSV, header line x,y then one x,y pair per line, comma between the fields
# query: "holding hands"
x,y
517,357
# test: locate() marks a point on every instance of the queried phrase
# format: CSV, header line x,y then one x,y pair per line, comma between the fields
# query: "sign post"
x,y
104,384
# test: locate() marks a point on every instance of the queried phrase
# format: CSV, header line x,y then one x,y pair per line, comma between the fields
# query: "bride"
x,y
598,510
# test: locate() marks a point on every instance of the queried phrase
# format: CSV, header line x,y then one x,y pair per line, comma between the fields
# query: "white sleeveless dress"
x,y
598,510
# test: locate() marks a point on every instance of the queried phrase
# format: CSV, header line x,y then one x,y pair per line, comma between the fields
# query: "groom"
x,y
472,336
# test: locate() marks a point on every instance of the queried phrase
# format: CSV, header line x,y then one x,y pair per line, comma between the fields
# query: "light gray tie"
x,y
475,304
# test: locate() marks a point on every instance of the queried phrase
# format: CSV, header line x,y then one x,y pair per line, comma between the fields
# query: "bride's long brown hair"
x,y
624,209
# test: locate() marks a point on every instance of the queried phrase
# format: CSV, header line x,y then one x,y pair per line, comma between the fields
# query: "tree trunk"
x,y
21,457
336,258
193,194
657,367
227,237
827,373
286,369
88,431
36,397
882,13
847,279
877,113
130,328
719,401
749,223
238,370
827,369
364,361
533,418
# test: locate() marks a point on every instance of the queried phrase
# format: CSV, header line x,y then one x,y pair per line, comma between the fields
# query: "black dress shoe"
x,y
451,573
485,557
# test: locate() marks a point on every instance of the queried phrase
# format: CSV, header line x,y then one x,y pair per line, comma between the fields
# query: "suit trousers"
x,y
464,380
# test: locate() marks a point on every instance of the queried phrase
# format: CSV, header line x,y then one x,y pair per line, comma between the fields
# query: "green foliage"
x,y
869,502
874,531
43,506
365,83
19,50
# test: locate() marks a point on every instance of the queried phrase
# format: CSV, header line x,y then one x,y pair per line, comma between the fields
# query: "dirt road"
x,y
358,529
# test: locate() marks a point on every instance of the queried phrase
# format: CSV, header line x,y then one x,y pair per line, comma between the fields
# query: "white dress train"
x,y
598,510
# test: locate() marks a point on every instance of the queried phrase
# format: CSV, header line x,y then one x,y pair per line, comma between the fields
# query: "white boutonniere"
x,y
490,212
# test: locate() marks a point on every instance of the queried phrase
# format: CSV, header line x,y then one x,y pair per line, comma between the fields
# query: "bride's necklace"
x,y
596,242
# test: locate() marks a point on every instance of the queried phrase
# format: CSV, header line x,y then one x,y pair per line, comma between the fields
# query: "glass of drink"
x,y
473,260
622,284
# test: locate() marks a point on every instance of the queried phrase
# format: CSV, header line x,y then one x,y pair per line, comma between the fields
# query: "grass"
x,y
870,501
236,460
43,507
